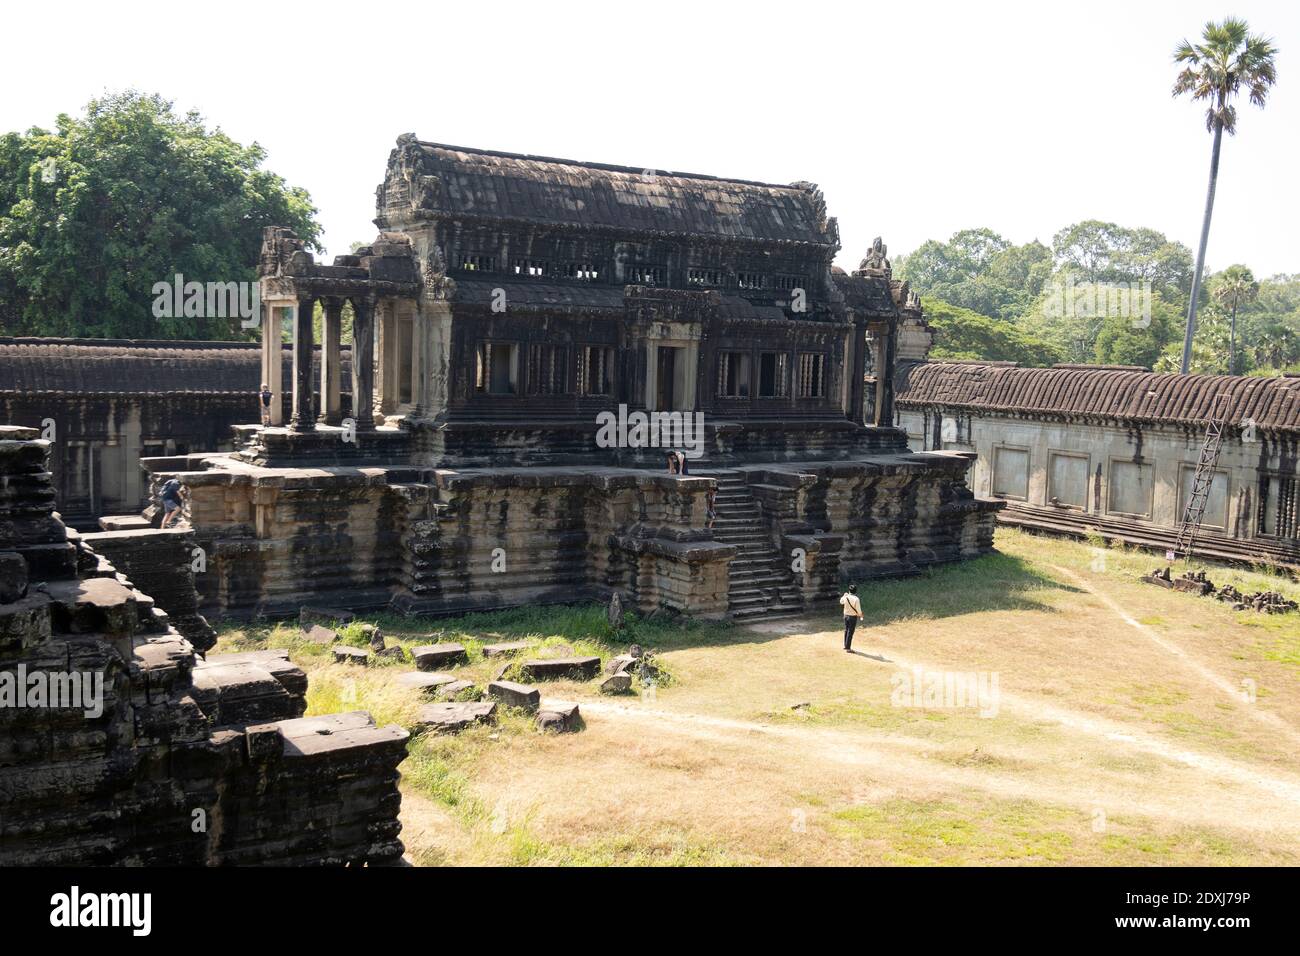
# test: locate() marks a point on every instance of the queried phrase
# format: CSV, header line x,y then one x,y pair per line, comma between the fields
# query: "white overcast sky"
x,y
916,118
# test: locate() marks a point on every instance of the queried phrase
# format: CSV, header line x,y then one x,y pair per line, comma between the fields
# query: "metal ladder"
x,y
1202,481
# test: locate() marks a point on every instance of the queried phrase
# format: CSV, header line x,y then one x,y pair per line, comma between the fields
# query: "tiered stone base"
x,y
446,541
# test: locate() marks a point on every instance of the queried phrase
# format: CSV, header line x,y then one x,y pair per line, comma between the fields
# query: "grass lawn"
x,y
1120,723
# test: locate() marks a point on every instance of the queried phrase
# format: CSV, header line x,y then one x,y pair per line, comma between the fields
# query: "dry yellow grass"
x,y
1133,725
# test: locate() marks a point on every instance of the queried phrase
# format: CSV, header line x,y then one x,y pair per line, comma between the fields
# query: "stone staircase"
x,y
760,580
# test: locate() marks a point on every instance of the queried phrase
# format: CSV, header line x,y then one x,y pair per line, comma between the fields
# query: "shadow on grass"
x,y
995,582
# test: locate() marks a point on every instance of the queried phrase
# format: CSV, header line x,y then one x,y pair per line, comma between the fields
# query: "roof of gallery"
x,y
1127,394
543,189
127,367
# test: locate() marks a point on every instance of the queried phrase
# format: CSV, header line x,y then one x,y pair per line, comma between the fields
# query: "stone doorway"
x,y
667,357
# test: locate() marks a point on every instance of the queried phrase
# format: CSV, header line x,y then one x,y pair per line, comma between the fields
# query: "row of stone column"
x,y
331,362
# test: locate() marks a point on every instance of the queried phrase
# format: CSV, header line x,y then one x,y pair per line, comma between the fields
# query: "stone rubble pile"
x,y
1198,582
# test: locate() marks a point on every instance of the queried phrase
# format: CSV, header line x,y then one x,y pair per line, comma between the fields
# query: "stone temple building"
x,y
531,338
1079,449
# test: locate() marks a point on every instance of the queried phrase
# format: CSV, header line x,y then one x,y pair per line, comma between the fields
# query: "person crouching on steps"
x,y
852,614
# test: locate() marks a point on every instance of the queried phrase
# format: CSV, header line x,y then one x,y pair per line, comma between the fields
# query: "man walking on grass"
x,y
852,614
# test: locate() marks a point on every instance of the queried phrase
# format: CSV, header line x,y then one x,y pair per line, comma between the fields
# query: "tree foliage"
x,y
98,210
963,334
1020,290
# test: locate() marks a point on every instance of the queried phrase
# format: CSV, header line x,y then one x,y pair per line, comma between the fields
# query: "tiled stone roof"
x,y
126,367
483,183
1273,403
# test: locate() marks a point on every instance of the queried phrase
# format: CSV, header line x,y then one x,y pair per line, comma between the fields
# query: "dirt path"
x,y
900,758
1099,716
1235,693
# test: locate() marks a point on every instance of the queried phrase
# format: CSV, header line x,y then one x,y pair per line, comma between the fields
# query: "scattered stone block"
x,y
620,665
505,650
575,668
616,684
321,635
308,616
460,689
430,657
374,635
500,671
453,717
562,718
427,684
1193,586
351,655
515,695
394,653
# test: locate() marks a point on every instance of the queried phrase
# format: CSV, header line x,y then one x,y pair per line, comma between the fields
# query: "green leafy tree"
x,y
98,210
1104,252
1136,339
1232,288
963,334
1214,71
979,270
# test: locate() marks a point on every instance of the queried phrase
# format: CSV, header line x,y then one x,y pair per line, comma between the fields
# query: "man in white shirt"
x,y
852,614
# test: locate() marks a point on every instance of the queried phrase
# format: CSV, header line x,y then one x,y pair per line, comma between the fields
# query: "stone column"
x,y
886,376
303,420
420,357
331,358
363,362
273,360
389,349
434,389
857,366
884,337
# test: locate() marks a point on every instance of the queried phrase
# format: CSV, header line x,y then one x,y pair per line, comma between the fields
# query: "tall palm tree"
x,y
1215,70
1236,286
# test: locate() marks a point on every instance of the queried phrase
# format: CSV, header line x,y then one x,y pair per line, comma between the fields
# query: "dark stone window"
x,y
537,268
733,375
750,280
711,277
1279,506
595,370
548,368
497,368
478,263
581,270
645,275
812,375
787,282
773,374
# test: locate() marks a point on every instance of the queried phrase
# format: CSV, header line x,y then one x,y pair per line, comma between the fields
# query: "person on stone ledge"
x,y
265,395
710,508
681,464
852,614
672,463
171,493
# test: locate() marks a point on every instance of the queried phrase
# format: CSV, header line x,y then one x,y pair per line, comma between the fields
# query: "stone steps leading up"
x,y
760,585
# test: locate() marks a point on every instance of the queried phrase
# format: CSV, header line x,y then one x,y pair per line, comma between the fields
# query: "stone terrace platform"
x,y
445,541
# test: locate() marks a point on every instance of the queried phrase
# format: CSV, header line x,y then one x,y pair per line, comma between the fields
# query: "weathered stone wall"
x,y
873,518
278,538
162,759
446,541
1166,453
162,562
